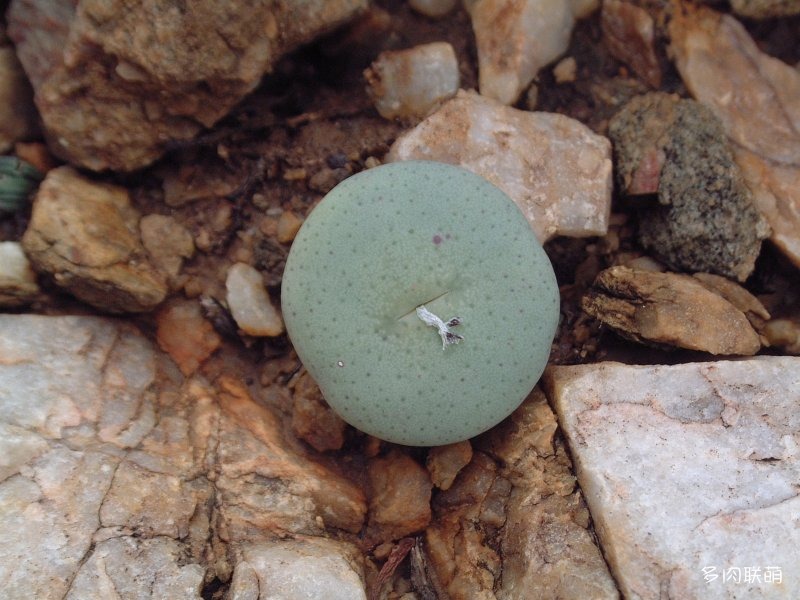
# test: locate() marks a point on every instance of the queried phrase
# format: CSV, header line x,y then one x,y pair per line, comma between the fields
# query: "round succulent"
x,y
419,299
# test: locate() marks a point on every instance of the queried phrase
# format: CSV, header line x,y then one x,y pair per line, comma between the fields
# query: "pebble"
x,y
765,9
249,302
85,235
565,70
434,9
516,38
288,226
313,421
755,97
784,333
410,83
629,35
18,285
554,168
167,241
734,293
689,470
705,219
445,462
400,499
185,335
669,309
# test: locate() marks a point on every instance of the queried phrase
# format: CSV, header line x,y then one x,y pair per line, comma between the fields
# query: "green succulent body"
x,y
17,180
389,240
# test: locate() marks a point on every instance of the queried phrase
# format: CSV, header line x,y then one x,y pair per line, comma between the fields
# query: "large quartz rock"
x,y
690,472
757,98
555,168
116,82
118,478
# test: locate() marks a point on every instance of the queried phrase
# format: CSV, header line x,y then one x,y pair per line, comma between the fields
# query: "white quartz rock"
x,y
17,279
689,471
553,167
300,569
409,83
515,39
249,302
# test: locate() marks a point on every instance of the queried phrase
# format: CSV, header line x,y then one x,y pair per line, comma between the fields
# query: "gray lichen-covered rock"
x,y
86,235
116,82
677,149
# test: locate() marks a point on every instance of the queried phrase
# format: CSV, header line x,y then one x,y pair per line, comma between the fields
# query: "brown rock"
x,y
185,335
445,462
517,495
115,86
167,242
400,499
628,32
85,234
756,98
736,295
669,309
312,419
18,118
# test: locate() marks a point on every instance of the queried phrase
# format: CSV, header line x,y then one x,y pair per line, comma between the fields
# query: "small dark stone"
x,y
705,220
337,160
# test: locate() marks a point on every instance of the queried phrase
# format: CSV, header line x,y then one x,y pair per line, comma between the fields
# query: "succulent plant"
x,y
17,180
419,299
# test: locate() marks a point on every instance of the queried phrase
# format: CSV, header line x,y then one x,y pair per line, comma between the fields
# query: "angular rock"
x,y
517,495
184,334
86,236
167,242
515,39
669,309
18,118
312,419
690,472
410,83
249,302
736,295
119,477
18,285
756,98
629,35
115,87
705,220
445,462
784,333
556,170
400,502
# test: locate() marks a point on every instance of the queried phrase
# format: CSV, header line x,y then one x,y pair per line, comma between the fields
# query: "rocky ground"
x,y
159,437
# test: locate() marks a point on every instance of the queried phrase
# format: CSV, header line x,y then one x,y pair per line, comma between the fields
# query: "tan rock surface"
x,y
18,118
86,236
554,168
445,462
117,477
669,309
517,496
115,86
184,334
690,471
312,419
167,242
400,498
757,97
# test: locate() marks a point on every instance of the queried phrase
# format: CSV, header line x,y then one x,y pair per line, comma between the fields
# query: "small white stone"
x,y
554,168
409,83
433,8
249,302
14,264
515,39
687,467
